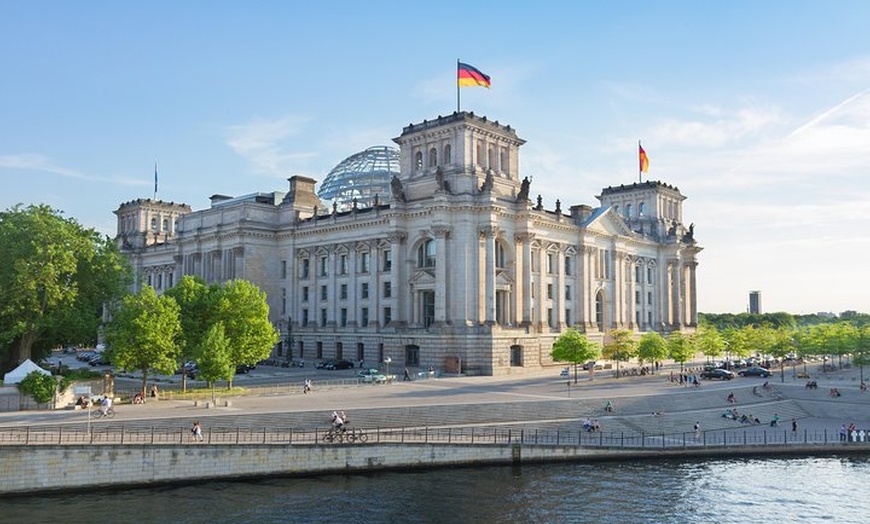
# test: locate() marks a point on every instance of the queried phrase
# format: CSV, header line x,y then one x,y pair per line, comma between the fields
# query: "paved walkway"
x,y
541,400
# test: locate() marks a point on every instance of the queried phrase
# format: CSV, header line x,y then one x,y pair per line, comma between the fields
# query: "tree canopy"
x,y
573,347
620,347
55,276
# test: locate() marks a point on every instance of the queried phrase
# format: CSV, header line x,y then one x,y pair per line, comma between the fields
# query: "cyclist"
x,y
105,405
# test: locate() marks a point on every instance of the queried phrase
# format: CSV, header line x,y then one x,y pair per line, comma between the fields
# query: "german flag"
x,y
644,160
470,76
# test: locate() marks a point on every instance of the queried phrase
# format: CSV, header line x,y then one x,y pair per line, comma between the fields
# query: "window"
x,y
387,260
323,292
159,281
342,265
169,280
433,157
637,297
551,263
500,257
427,307
324,266
364,290
283,300
649,297
283,269
568,320
641,209
503,161
418,161
550,291
649,275
343,292
364,317
339,350
166,224
550,319
388,315
447,154
304,293
569,263
320,350
649,318
153,224
323,317
364,262
637,274
360,351
567,292
151,280
388,289
343,317
304,317
426,254
627,210
306,266
535,254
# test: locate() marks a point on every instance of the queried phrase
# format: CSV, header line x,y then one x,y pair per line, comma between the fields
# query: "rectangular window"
x,y
649,275
342,265
323,317
568,265
364,290
343,291
306,266
360,351
567,292
550,319
535,256
649,318
283,301
304,317
160,281
323,292
319,351
649,297
324,266
568,320
388,289
169,280
550,291
388,315
364,262
637,274
637,297
551,263
150,280
364,317
344,317
304,293
388,260
283,269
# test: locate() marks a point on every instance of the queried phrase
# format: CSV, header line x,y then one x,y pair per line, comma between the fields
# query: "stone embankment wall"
x,y
31,469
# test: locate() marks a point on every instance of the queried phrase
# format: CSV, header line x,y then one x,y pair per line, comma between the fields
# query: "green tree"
x,y
54,278
680,348
143,333
194,298
215,362
652,348
710,342
620,347
862,349
244,312
39,386
573,347
782,345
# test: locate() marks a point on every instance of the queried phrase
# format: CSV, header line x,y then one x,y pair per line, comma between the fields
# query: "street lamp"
x,y
289,339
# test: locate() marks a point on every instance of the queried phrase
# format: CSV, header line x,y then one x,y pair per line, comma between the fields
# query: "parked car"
x,y
339,364
324,363
722,374
754,372
593,365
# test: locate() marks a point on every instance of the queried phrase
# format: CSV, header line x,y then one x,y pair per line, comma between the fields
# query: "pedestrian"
x,y
697,429
843,433
306,386
793,425
196,431
406,376
154,391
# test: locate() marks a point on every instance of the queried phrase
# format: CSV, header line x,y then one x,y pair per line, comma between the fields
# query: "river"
x,y
827,489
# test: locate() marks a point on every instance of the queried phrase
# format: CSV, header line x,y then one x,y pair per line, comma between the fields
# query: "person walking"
x,y
406,376
196,431
793,425
306,386
698,429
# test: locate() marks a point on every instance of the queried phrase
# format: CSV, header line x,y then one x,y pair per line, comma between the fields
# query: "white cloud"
x,y
263,143
42,163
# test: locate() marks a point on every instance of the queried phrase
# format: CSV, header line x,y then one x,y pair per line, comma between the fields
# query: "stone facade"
x,y
457,268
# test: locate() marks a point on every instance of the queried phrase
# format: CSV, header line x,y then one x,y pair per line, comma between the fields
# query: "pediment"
x,y
608,222
423,277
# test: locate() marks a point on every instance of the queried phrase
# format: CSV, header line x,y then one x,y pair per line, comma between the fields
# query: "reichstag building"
x,y
432,254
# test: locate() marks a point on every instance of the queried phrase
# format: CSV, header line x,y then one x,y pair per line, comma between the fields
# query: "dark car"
x,y
323,364
754,371
340,364
722,374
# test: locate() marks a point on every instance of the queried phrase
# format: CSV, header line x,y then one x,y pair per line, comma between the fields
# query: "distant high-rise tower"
x,y
755,302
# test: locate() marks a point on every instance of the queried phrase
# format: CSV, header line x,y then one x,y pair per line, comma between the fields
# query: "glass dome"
x,y
360,177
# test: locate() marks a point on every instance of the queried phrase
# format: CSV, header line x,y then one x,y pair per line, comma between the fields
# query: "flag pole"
x,y
457,86
155,180
639,164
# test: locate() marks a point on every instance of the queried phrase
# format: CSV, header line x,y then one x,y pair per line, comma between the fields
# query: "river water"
x,y
744,490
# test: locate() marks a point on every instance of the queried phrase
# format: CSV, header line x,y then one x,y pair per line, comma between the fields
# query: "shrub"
x,y
39,387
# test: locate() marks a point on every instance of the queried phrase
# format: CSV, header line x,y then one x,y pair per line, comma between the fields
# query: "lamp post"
x,y
289,339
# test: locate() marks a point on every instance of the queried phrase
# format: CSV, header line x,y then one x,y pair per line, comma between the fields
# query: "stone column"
x,y
488,234
693,295
525,239
441,233
400,316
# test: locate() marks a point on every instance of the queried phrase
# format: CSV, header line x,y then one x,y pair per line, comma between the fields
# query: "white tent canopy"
x,y
25,368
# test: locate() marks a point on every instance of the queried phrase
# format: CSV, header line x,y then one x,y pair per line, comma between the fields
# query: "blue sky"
x,y
758,111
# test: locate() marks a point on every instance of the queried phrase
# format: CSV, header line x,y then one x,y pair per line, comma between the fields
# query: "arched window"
x,y
500,257
166,224
627,210
447,154
491,158
480,152
418,161
433,157
154,224
503,161
426,254
641,209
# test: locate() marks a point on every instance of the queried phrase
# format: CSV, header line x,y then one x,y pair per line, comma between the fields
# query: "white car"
x,y
372,376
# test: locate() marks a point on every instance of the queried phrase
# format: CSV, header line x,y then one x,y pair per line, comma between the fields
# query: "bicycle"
x,y
97,413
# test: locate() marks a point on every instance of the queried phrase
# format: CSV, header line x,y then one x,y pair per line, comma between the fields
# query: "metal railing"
x,y
164,435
